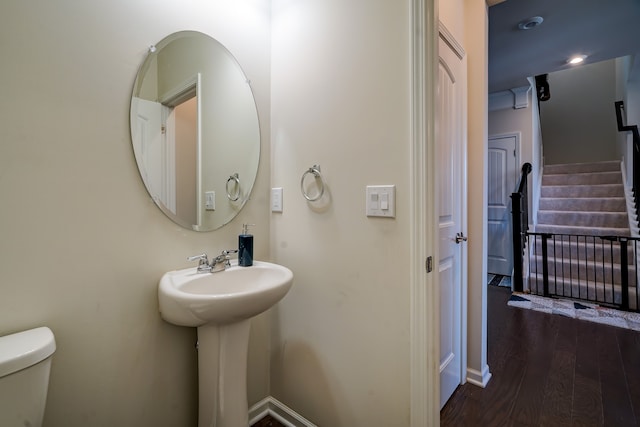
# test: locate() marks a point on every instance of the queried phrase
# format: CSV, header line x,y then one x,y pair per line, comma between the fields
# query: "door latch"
x,y
460,238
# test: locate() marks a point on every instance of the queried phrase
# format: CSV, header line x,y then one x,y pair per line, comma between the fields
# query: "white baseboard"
x,y
481,379
279,411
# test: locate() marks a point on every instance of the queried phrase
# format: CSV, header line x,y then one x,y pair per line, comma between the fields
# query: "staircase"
x,y
583,198
579,204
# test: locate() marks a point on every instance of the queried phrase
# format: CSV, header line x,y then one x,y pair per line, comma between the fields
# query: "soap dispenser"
x,y
245,247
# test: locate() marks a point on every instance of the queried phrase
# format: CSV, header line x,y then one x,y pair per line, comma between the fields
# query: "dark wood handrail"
x,y
624,128
526,170
619,105
520,225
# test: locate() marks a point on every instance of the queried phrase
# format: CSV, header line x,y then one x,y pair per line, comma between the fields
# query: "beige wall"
x,y
511,120
186,120
519,121
341,99
525,123
451,14
83,246
579,122
476,45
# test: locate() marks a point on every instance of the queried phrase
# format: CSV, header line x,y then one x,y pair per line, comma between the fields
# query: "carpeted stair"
x,y
585,199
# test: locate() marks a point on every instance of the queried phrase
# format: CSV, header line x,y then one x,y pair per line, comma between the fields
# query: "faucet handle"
x,y
202,257
227,258
203,262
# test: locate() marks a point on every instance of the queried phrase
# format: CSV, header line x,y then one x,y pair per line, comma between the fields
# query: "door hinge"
x,y
429,264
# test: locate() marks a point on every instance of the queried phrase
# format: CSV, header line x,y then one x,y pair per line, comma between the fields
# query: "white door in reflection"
x,y
152,146
168,140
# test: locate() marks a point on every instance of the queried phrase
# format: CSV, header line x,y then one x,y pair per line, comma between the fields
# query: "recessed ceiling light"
x,y
530,23
576,59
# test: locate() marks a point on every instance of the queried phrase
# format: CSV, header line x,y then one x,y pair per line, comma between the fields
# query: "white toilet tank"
x,y
25,361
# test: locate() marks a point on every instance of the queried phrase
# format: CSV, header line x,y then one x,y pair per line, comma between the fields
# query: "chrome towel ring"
x,y
233,178
315,171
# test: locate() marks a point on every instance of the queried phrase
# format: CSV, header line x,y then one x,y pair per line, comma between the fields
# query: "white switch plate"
x,y
210,200
381,200
276,199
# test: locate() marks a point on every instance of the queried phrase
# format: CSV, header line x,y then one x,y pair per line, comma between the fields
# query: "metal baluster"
x,y
624,270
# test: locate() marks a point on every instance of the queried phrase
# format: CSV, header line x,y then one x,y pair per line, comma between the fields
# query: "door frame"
x,y
518,138
424,309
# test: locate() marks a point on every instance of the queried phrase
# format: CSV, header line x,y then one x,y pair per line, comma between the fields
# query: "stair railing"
x,y
520,226
597,269
619,105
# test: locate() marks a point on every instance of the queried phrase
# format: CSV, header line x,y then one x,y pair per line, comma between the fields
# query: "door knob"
x,y
460,238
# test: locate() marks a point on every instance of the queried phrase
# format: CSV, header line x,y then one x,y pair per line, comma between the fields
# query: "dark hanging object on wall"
x,y
542,87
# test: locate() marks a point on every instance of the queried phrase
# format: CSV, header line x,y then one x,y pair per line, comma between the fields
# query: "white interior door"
x,y
149,145
451,157
502,179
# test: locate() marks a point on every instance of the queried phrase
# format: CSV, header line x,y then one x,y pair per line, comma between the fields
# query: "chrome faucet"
x,y
203,262
219,263
222,261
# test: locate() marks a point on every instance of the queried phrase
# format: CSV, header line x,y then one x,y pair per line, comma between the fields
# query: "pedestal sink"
x,y
220,306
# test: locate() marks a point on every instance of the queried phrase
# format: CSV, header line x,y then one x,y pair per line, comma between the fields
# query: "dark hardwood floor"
x,y
550,370
268,421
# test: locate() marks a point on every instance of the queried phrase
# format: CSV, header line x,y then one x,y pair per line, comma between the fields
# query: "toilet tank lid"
x,y
23,349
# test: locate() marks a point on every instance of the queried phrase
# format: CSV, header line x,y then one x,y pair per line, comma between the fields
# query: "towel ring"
x,y
233,178
315,171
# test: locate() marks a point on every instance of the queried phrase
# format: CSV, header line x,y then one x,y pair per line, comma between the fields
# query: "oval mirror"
x,y
195,130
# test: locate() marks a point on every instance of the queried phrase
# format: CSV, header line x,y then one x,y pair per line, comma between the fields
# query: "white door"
x,y
451,158
502,179
149,145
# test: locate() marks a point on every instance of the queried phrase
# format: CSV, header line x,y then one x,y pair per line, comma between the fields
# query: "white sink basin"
x,y
188,298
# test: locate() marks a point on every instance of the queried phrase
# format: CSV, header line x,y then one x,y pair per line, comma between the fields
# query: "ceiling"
x,y
600,29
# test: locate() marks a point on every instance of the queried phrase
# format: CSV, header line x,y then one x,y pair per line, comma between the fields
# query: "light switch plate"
x,y
210,200
381,200
276,199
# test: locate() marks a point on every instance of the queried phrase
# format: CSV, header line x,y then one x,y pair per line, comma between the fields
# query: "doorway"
x,y
502,171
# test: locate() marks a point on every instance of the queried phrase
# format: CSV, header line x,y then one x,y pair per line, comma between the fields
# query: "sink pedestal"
x,y
220,306
222,374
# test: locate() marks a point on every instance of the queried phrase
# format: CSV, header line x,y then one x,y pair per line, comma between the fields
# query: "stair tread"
x,y
577,226
571,168
582,178
579,191
586,212
596,231
584,185
581,261
586,173
582,283
613,198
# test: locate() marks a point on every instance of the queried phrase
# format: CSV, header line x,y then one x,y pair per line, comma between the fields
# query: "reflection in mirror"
x,y
195,130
